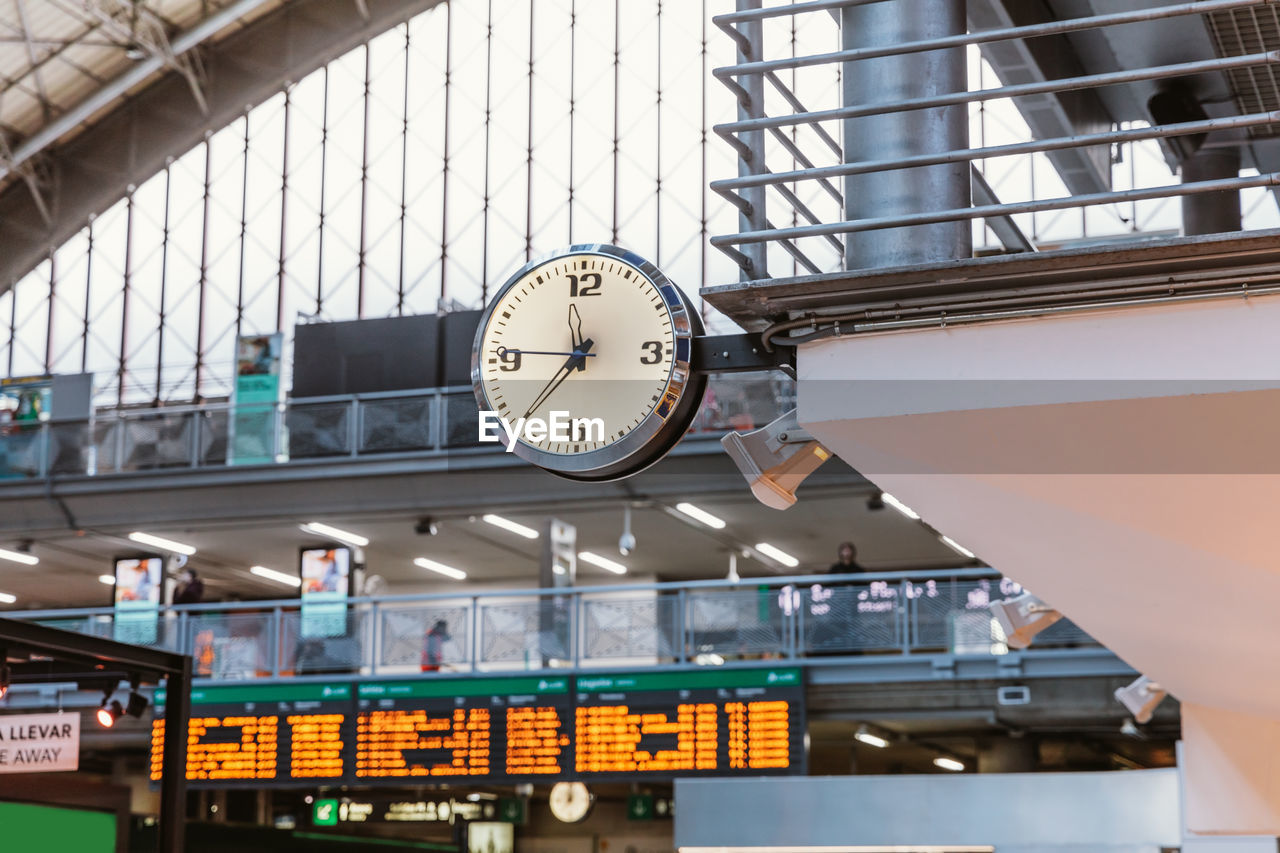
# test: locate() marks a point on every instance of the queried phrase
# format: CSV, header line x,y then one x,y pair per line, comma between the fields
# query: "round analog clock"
x,y
571,801
581,363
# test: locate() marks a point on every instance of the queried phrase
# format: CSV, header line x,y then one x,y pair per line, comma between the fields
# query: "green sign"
x,y
467,687
640,807
513,810
690,680
324,813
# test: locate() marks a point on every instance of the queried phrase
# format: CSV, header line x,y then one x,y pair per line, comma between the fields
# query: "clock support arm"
x,y
739,354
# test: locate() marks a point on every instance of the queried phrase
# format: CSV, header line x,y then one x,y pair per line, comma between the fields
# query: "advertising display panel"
x,y
326,584
138,586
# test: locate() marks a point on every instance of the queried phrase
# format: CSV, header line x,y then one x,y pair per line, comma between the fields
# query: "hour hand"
x,y
575,326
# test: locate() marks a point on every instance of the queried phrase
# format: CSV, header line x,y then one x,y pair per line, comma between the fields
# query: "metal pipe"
x,y
1063,84
994,151
780,11
752,161
881,28
857,226
963,39
1211,213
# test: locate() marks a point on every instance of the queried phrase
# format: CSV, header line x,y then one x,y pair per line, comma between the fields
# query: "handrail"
x,y
910,613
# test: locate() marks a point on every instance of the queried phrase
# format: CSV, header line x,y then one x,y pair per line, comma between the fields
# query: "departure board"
x,y
528,728
713,723
276,734
482,729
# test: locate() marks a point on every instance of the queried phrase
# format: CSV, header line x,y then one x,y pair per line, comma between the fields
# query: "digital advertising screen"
x,y
612,727
139,583
326,584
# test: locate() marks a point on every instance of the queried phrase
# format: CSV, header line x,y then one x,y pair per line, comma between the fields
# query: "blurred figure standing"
x,y
846,560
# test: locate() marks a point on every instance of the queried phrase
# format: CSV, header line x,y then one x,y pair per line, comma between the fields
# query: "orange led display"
x,y
233,747
315,746
610,739
535,741
408,742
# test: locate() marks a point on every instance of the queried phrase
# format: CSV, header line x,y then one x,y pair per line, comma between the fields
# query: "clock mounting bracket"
x,y
738,354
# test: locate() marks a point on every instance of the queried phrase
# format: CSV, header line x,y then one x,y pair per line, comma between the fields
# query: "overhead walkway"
x,y
863,628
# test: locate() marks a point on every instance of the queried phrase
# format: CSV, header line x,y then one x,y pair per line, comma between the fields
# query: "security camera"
x,y
1141,698
1023,617
426,527
776,459
626,543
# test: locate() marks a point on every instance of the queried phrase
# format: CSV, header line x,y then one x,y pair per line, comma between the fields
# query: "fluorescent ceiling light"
x,y
162,543
336,533
6,598
701,515
864,736
440,568
899,506
17,557
948,763
603,562
511,526
958,548
777,554
109,580
273,575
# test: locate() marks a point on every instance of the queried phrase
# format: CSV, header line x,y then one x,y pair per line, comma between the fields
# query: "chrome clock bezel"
x,y
667,421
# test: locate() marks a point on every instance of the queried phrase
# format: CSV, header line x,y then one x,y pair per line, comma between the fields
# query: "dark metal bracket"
x,y
737,354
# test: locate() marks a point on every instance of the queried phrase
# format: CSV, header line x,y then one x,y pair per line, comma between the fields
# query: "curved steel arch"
x,y
134,141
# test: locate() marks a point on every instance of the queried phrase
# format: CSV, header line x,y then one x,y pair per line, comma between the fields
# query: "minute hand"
x,y
575,361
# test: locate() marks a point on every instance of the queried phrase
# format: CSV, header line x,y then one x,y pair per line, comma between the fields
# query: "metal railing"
x,y
795,113
430,421
690,623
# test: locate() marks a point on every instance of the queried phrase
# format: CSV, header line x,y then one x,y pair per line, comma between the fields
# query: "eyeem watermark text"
x,y
559,427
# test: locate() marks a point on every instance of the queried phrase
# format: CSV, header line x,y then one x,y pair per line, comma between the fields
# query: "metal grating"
x,y
1240,31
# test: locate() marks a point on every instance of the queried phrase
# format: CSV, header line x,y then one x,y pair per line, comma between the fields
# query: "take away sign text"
x,y
39,743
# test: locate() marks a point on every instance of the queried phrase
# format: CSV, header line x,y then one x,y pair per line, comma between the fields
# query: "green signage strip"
x,y
429,688
690,680
268,693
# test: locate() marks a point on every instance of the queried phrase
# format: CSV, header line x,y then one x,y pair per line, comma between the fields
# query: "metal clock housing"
x,y
566,281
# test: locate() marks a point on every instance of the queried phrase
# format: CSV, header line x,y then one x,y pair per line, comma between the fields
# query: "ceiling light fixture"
x,y
510,526
440,568
778,554
699,514
864,735
321,529
273,575
16,557
948,764
958,548
6,598
603,562
900,506
162,543
109,580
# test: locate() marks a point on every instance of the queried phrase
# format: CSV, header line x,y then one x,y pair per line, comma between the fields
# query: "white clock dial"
x,y
598,339
571,801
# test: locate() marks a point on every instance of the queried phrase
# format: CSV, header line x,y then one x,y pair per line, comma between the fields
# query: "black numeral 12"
x,y
590,284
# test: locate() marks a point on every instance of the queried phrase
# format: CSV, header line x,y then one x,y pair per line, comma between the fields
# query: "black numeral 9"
x,y
510,359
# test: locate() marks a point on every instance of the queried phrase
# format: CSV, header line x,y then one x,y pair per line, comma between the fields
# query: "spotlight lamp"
x,y
110,710
1022,617
1141,698
137,704
5,674
776,459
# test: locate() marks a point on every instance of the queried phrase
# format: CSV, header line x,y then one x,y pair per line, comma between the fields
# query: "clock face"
x,y
585,357
571,801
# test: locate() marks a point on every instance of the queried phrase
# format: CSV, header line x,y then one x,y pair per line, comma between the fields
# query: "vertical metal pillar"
x,y
895,78
173,782
751,105
1211,213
